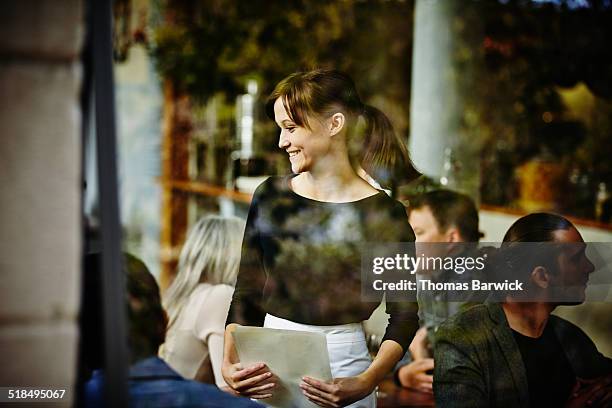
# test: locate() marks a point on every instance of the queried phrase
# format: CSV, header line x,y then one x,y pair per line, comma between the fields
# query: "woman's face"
x,y
305,147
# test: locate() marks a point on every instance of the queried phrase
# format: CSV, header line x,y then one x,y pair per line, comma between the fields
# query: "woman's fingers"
x,y
323,386
259,388
317,392
242,373
254,381
250,382
319,401
259,396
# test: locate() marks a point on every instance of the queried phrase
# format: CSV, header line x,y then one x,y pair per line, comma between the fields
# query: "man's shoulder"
x,y
568,332
206,395
473,320
587,361
477,315
189,393
562,324
154,383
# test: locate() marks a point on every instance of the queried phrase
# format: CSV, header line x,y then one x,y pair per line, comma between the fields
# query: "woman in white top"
x,y
198,299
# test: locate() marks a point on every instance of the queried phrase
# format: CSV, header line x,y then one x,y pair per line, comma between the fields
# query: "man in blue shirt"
x,y
152,383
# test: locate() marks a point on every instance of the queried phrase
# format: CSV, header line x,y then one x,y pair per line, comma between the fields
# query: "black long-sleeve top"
x,y
301,260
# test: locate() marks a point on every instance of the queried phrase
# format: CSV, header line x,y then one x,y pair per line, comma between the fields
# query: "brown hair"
x,y
146,317
450,208
536,227
525,246
383,154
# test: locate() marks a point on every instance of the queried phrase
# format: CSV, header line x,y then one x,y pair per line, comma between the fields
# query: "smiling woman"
x,y
301,254
300,143
324,105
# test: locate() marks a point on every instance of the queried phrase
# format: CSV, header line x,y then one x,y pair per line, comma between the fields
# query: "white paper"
x,y
290,355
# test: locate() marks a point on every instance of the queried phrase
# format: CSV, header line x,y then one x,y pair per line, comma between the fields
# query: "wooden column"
x,y
176,129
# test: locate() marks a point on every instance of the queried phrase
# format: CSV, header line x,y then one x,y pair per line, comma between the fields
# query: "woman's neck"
x,y
332,182
529,319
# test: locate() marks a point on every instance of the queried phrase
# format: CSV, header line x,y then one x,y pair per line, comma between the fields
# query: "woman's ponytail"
x,y
384,155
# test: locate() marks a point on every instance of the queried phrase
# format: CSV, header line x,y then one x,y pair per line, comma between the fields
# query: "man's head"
x,y
146,317
443,216
547,252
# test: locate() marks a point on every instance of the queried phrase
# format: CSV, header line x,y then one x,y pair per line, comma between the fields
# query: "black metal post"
x,y
113,281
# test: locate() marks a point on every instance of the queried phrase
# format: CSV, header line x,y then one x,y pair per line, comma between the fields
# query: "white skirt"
x,y
346,345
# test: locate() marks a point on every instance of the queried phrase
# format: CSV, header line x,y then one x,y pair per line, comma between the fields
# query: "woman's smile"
x,y
304,146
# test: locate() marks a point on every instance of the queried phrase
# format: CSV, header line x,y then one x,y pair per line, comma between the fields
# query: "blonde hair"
x,y
211,254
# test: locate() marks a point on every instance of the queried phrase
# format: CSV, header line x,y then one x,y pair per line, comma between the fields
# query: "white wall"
x,y
40,153
495,225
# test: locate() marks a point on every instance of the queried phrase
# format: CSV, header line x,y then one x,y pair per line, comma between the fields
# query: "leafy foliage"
x,y
212,46
530,51
512,57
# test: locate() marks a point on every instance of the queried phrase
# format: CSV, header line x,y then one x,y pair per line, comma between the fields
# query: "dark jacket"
x,y
478,363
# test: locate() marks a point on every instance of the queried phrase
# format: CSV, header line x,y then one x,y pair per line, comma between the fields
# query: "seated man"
x,y
436,216
152,383
515,353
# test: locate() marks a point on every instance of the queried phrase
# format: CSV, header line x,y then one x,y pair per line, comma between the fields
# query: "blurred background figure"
x,y
444,216
152,383
436,217
198,299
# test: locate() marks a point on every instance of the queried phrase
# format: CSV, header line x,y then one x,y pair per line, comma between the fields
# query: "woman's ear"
x,y
540,277
336,123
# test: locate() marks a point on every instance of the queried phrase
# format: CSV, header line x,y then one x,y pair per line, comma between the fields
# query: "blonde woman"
x,y
198,299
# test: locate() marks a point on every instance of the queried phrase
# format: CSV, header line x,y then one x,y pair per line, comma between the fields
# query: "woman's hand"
x,y
254,381
337,393
340,392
